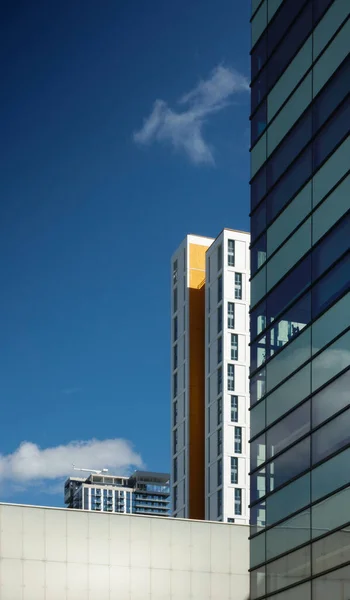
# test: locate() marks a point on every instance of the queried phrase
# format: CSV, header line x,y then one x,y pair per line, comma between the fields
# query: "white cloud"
x,y
30,464
184,129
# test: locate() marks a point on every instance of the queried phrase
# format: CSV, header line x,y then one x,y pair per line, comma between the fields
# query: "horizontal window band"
x,y
323,386
312,321
302,221
301,439
303,401
317,133
307,507
299,476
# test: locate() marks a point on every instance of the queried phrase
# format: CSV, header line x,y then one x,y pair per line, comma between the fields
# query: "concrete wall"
x,y
61,554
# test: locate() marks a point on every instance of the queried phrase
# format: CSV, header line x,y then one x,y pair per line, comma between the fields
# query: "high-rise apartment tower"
x,y
300,302
210,362
142,493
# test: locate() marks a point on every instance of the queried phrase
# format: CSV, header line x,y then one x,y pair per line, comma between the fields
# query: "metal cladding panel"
x,y
60,554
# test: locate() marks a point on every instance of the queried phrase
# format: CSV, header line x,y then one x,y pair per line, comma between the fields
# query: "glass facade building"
x,y
300,301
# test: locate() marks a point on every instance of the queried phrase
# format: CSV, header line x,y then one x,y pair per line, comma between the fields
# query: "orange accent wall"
x,y
196,458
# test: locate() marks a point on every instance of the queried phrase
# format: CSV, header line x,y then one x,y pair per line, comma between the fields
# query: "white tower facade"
x,y
227,301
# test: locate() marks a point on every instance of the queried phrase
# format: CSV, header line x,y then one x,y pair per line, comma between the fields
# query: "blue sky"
x,y
123,126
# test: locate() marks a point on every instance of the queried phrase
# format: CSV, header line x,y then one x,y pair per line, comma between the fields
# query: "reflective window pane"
x,y
288,465
282,22
258,122
332,585
331,399
288,500
258,190
257,518
257,583
288,535
258,254
289,289
289,184
257,418
331,475
288,570
287,431
292,41
295,141
257,485
287,361
257,386
289,394
331,286
331,361
331,551
331,437
300,592
257,452
332,134
332,95
258,320
331,513
331,247
331,324
257,549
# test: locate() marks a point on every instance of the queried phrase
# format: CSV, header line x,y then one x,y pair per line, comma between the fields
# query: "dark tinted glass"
x,y
292,145
258,220
257,386
331,437
293,285
257,452
290,184
331,286
292,41
259,56
320,6
258,122
257,517
288,500
257,485
331,247
258,188
329,137
332,95
258,319
288,465
289,325
288,570
283,329
287,431
258,254
282,21
258,89
257,583
259,353
331,399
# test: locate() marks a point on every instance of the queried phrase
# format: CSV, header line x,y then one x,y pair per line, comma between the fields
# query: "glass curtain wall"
x,y
300,310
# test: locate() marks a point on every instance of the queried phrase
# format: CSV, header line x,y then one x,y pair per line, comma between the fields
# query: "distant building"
x,y
210,369
143,493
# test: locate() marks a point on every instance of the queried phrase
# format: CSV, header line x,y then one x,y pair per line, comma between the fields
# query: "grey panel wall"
x,y
59,554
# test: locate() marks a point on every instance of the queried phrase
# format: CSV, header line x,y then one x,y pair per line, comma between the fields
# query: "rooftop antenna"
x,y
95,471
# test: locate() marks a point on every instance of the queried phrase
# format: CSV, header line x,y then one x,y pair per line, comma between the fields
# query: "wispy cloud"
x,y
183,129
29,464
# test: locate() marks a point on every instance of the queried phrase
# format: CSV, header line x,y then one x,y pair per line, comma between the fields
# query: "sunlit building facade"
x,y
300,302
210,377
